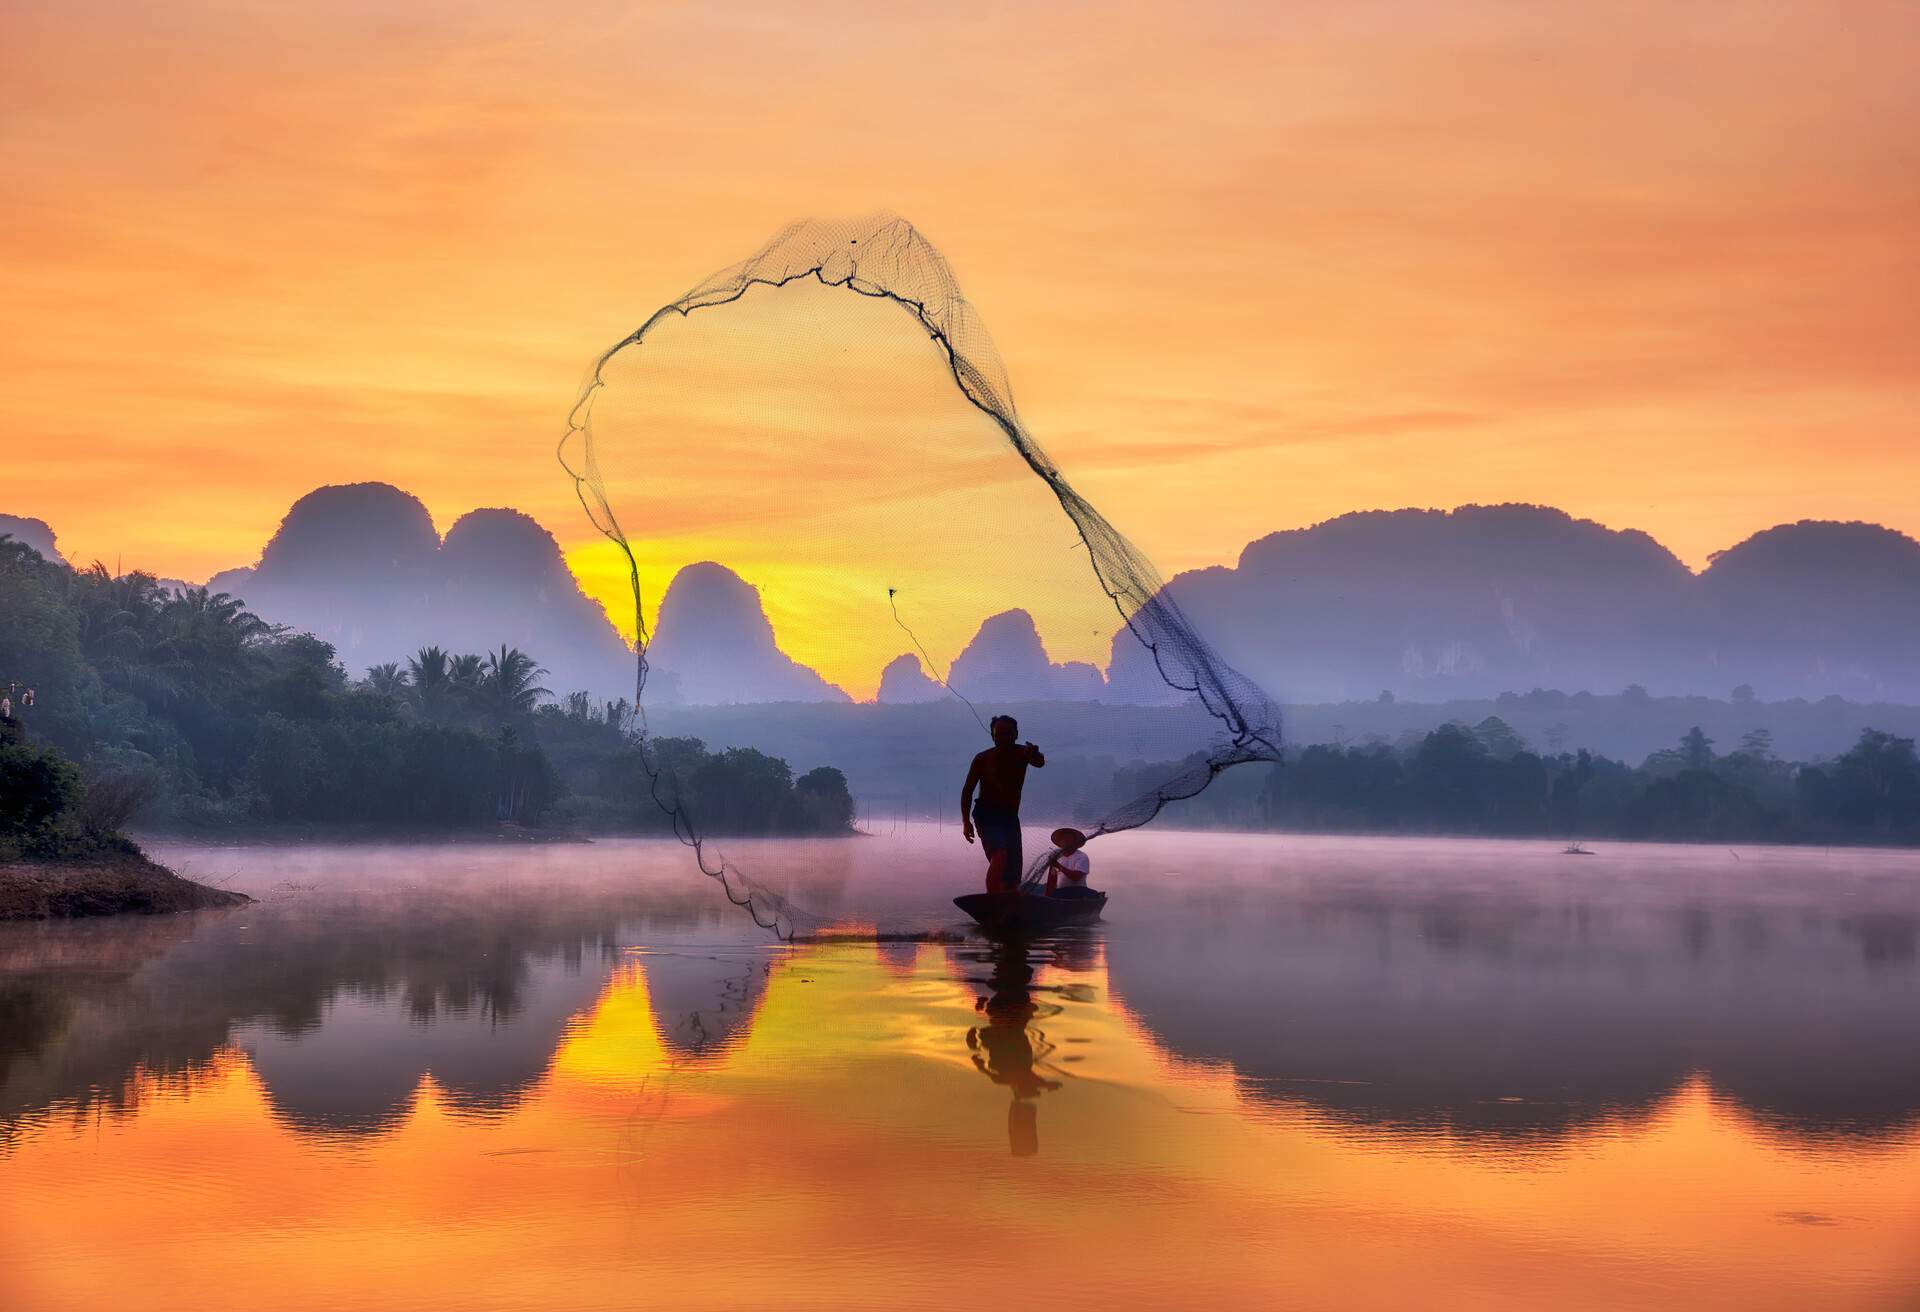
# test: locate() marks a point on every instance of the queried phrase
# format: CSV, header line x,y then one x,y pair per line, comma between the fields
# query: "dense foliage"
x,y
39,790
1485,779
48,809
734,791
183,700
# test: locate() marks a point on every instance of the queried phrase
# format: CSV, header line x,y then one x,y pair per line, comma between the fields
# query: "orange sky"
x,y
1250,266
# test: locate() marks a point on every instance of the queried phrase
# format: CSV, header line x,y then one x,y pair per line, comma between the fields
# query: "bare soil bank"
x,y
105,884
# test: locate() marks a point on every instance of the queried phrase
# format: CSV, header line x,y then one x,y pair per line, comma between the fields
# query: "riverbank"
x,y
101,884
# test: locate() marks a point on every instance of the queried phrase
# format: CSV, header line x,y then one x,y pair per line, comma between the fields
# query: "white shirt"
x,y
1073,869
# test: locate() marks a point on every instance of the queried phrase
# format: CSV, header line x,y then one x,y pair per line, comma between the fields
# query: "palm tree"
x,y
428,671
214,612
509,681
212,632
466,673
427,667
122,634
388,680
466,683
116,614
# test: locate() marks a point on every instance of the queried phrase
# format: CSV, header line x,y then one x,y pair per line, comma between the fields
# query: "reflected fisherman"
x,y
1005,1049
1000,773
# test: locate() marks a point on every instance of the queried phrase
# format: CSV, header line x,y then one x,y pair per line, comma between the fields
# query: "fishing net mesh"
x,y
869,472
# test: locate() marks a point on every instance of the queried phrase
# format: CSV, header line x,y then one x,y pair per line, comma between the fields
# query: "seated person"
x,y
1067,869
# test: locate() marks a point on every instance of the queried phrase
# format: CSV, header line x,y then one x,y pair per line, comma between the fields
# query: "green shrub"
x,y
824,802
40,791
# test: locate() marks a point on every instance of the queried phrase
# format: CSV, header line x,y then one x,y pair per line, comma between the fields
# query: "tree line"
x,y
184,706
1486,779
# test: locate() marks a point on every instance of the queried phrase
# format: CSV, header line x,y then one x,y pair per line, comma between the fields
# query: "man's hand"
x,y
966,830
1033,754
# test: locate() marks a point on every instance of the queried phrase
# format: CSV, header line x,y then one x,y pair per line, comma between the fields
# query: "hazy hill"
x,y
1434,604
362,567
712,645
34,533
338,537
1816,608
1429,605
1007,662
905,681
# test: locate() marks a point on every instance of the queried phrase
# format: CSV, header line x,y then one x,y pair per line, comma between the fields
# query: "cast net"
x,y
843,548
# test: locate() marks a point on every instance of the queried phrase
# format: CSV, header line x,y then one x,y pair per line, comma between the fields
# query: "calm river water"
x,y
1304,1072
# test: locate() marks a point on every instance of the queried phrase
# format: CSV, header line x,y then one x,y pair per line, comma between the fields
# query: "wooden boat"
x,y
1025,916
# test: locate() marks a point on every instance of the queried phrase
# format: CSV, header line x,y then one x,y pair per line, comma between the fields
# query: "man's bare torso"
x,y
1002,772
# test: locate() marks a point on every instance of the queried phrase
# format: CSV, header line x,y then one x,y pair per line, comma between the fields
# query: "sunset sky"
x,y
1250,266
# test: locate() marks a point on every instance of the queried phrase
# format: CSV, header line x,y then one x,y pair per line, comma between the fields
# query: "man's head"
x,y
1005,730
1069,840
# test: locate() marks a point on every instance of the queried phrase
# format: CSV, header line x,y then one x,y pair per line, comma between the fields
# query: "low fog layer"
x,y
1421,988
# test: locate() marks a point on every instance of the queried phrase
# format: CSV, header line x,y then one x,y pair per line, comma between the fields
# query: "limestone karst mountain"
x,y
1817,608
905,681
713,645
1429,605
1432,605
1007,662
362,567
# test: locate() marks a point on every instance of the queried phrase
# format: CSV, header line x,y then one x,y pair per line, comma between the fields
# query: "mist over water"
x,y
1381,1069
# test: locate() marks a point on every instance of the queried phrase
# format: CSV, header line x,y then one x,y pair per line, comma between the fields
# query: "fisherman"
x,y
999,772
1067,868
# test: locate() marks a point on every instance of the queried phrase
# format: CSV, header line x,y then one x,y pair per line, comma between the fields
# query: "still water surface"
x,y
1284,1072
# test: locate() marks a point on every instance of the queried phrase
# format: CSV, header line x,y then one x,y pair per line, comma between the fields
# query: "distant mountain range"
x,y
1430,605
1435,604
362,567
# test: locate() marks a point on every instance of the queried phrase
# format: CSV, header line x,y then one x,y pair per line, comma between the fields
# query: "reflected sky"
x,y
1324,1071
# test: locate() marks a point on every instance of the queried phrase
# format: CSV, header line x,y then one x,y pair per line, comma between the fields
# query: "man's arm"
x,y
966,800
1034,758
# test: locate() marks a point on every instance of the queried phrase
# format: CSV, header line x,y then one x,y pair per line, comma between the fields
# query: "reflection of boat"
x,y
1026,915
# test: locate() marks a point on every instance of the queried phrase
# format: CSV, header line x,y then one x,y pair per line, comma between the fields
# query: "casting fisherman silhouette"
x,y
999,773
998,486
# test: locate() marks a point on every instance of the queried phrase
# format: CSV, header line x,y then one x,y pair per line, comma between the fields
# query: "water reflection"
x,y
344,1002
1311,1074
1529,1013
703,1002
1010,1048
1516,1007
